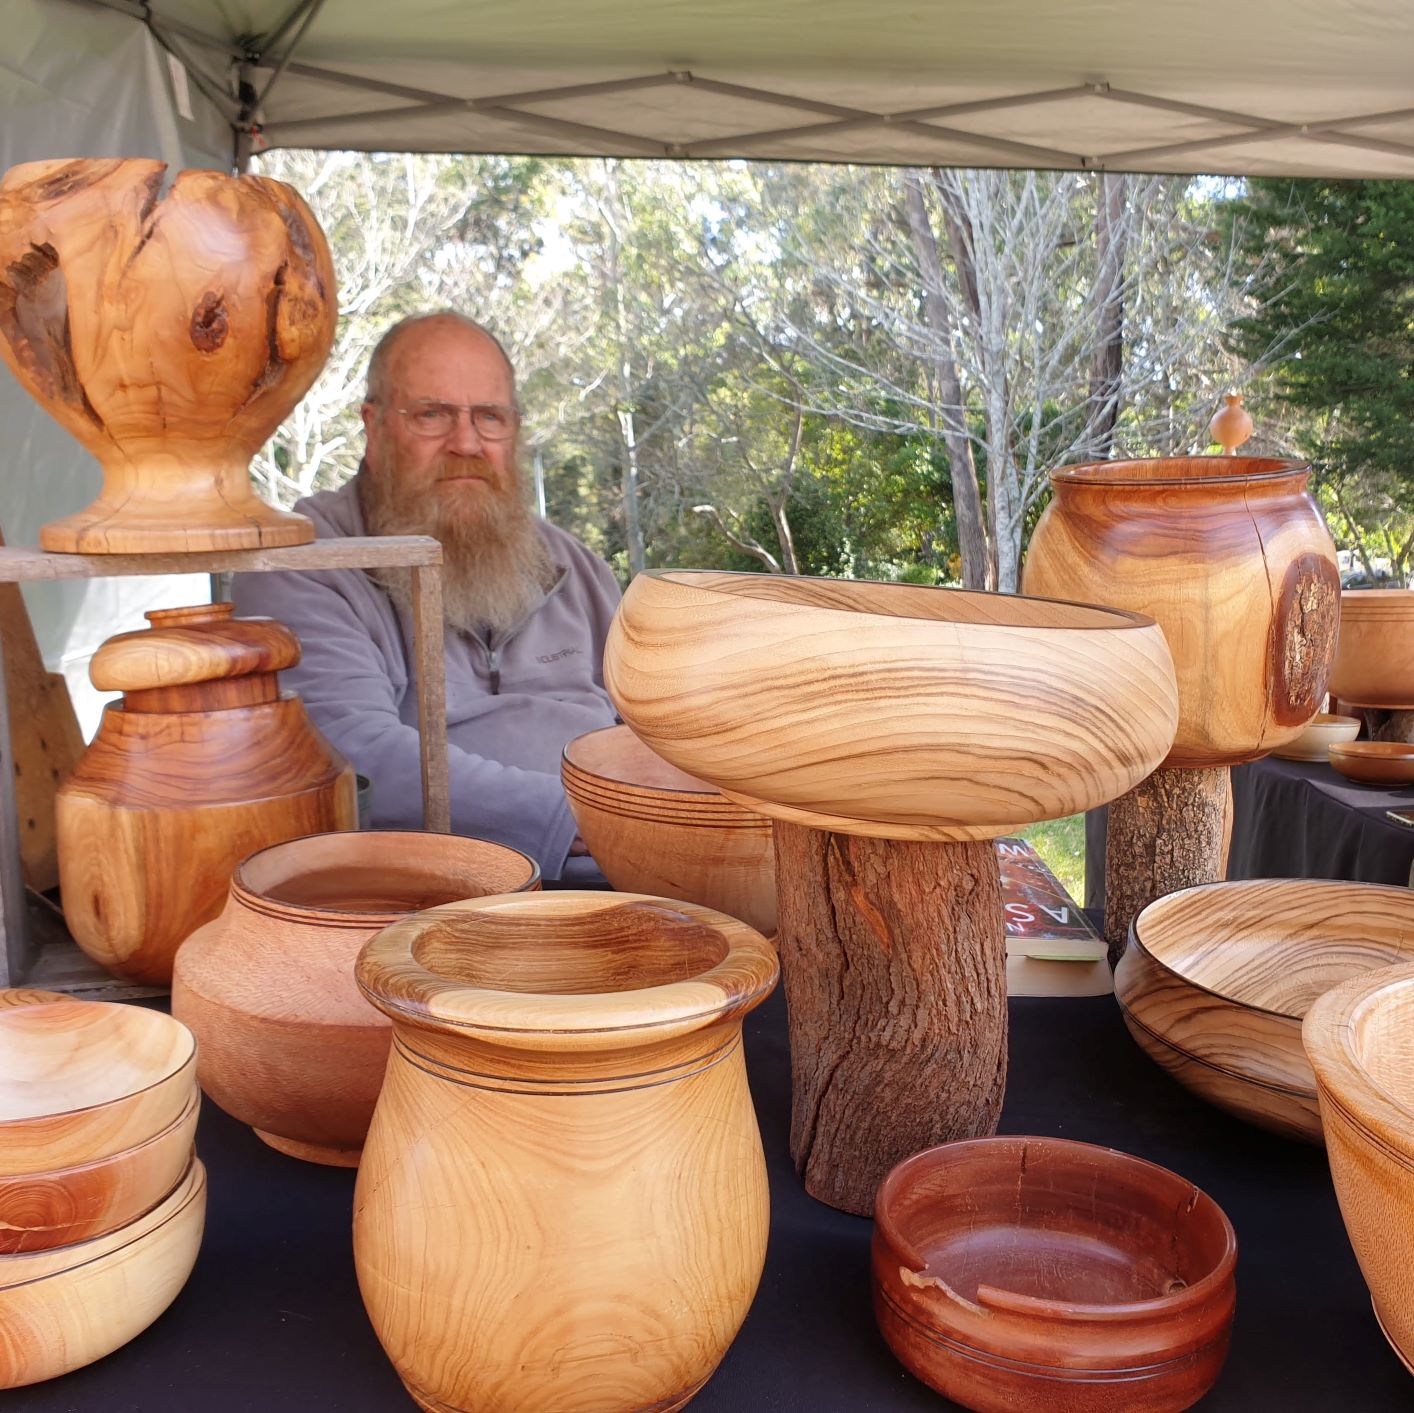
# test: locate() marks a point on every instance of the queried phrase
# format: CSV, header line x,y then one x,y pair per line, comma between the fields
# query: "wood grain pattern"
x,y
562,1203
1218,979
80,1080
1360,1041
890,709
172,794
39,1211
169,334
1374,762
287,1042
654,829
62,1309
894,961
1231,556
1017,1274
1374,660
1167,833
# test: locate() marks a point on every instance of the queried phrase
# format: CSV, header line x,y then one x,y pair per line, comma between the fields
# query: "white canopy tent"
x,y
1298,87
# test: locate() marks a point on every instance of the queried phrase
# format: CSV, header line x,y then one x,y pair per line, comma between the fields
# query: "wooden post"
x,y
1167,833
894,960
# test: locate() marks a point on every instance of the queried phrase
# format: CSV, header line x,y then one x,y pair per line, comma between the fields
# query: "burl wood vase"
x,y
170,334
203,761
562,1204
287,1042
1231,556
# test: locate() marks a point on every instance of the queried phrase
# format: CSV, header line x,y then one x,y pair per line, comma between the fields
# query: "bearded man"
x,y
527,605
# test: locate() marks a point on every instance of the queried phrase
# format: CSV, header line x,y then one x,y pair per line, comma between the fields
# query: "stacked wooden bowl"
x,y
1374,659
102,1199
1217,980
656,829
1360,1038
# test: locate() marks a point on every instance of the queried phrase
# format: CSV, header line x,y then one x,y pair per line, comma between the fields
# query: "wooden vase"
x,y
1360,1040
170,335
562,1203
286,1041
1374,660
891,731
204,761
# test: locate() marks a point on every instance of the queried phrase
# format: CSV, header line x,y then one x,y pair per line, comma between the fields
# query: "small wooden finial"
x,y
1231,425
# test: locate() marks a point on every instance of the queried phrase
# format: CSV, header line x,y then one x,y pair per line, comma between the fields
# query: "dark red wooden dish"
x,y
1016,1275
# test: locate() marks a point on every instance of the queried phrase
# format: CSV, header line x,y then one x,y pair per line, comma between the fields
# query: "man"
x,y
527,605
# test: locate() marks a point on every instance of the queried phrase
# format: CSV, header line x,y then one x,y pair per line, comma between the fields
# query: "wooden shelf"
x,y
37,950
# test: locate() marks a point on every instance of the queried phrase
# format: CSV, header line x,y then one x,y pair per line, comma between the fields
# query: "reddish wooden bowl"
x,y
1017,1274
1375,762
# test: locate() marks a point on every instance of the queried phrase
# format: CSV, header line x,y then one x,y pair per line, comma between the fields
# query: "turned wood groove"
x,y
895,972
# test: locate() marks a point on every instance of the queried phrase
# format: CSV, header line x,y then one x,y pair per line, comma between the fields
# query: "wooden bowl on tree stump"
x,y
563,1203
1013,1274
1360,1039
204,761
170,335
891,731
287,1042
656,829
1232,558
1374,659
64,1308
1218,979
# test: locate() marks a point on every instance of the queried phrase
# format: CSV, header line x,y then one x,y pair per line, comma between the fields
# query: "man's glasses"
x,y
492,421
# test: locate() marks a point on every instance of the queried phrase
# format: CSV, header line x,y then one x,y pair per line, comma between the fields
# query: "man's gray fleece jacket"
x,y
512,702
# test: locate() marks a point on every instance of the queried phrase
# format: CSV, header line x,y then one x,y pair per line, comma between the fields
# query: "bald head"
x,y
442,326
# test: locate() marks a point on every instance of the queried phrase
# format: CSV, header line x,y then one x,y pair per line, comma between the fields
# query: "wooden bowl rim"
x,y
388,974
1111,473
1237,887
160,1018
1329,719
255,900
1373,750
1377,598
568,765
1329,1035
1062,1311
1112,619
190,1188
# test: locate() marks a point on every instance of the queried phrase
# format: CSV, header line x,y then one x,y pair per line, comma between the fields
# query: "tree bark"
x,y
1169,832
894,960
1111,233
1390,725
966,491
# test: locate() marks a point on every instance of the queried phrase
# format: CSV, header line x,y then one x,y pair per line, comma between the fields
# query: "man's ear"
x,y
369,412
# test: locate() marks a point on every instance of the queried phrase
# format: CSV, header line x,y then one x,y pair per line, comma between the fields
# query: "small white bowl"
x,y
1321,733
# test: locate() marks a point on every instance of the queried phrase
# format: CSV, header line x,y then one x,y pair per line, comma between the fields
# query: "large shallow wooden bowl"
x,y
287,1043
656,829
889,709
1383,763
57,1208
82,1080
1216,982
1318,736
1360,1038
1374,659
64,1308
1017,1274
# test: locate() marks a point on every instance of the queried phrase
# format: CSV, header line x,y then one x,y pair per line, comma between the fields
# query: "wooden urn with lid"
x,y
204,761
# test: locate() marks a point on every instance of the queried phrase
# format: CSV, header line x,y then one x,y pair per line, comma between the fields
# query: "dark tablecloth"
x,y
271,1320
1295,819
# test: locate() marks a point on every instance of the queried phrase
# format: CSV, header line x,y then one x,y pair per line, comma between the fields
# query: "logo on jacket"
x,y
563,652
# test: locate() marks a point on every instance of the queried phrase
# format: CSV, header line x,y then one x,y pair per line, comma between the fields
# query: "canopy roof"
x,y
1299,87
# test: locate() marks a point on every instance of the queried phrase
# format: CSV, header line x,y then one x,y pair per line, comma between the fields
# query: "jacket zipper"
x,y
493,650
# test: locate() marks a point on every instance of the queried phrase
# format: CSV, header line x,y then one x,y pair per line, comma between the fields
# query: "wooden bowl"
x,y
1320,733
1375,762
1374,657
889,709
1360,1038
84,1080
655,829
57,1208
1216,981
1013,1274
64,1308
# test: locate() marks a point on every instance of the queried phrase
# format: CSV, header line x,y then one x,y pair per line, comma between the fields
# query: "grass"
x,y
1061,845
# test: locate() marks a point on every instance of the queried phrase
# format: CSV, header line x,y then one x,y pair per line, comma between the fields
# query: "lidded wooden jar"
x,y
1231,556
562,1203
204,761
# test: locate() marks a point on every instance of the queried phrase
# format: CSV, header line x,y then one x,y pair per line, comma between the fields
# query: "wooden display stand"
x,y
37,949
